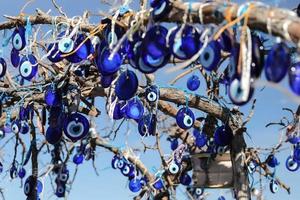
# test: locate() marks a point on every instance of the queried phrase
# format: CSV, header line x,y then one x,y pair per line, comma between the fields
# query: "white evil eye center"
x,y
1,68
274,186
63,177
126,170
66,45
207,56
15,128
120,164
198,191
173,168
26,68
17,41
115,163
187,120
221,149
151,96
1,134
75,129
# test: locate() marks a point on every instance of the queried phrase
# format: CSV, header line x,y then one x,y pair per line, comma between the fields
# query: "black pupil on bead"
x,y
76,128
206,56
25,70
189,121
66,45
17,41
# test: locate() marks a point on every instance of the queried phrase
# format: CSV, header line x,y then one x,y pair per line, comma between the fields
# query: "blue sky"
x,y
110,184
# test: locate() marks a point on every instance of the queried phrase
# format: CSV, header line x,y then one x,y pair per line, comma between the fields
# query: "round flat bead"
x,y
193,83
127,85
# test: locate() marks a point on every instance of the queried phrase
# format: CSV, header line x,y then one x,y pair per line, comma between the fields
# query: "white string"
x,y
285,26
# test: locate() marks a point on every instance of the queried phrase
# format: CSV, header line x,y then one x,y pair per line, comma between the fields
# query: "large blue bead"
x,y
185,118
223,135
294,78
135,185
277,63
126,85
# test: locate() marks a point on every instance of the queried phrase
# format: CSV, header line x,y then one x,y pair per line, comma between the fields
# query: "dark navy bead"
x,y
272,161
135,185
223,135
185,179
127,85
277,62
193,83
15,57
53,134
3,67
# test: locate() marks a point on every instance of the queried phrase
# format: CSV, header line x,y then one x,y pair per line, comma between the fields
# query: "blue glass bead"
x,y
15,126
185,118
127,170
24,127
135,185
3,67
294,78
118,110
274,186
13,172
223,135
134,109
53,135
296,156
211,56
225,41
187,44
147,125
114,162
21,172
293,139
152,94
1,167
76,126
193,83
201,140
54,54
185,179
106,64
236,94
174,144
18,38
258,59
28,67
158,184
78,158
272,161
174,167
15,57
52,97
60,190
291,164
277,62
127,85
106,80
160,8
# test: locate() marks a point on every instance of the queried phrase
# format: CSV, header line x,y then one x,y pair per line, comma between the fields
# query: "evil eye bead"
x,y
186,43
294,78
15,57
277,63
252,166
13,172
291,165
15,126
83,48
200,140
78,158
21,172
24,129
3,67
63,175
225,41
39,187
53,135
193,83
1,167
60,190
223,135
185,118
293,139
108,64
185,179
135,185
174,168
118,110
127,170
121,163
134,109
274,186
158,184
76,126
174,144
272,161
28,186
18,38
106,80
152,94
296,155
127,85
160,8
28,67
52,97
237,95
66,45
199,191
211,56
